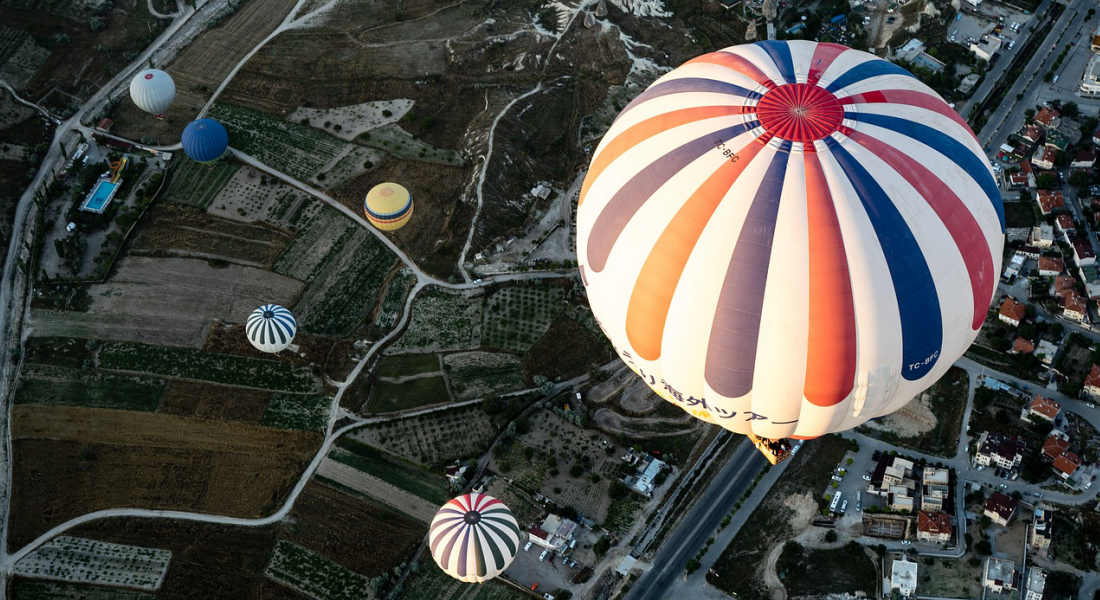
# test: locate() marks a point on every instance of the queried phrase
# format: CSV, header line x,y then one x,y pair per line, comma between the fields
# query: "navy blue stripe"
x,y
633,194
731,352
952,149
683,86
780,53
918,302
404,210
867,70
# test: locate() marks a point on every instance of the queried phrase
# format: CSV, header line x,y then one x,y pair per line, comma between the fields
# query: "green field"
x,y
57,386
393,301
387,396
315,575
391,469
297,411
297,150
483,373
196,184
398,142
516,317
430,583
35,590
347,288
398,365
320,238
227,369
442,320
620,515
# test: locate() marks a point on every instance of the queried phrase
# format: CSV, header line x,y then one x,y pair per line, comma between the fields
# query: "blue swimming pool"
x,y
100,196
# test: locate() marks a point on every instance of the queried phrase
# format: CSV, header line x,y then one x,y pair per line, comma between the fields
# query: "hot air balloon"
x,y
271,328
205,140
388,206
473,538
153,91
788,239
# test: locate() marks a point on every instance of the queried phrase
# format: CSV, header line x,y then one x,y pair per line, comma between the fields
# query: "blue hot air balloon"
x,y
205,140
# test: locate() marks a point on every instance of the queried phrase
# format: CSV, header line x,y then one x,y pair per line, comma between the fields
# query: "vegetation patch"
x,y
516,317
297,411
322,236
432,583
391,469
42,384
442,320
347,288
393,301
477,374
819,571
81,560
948,403
434,439
227,369
315,575
35,590
197,184
401,365
417,391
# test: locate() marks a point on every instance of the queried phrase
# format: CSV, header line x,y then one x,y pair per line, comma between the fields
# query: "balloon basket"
x,y
776,451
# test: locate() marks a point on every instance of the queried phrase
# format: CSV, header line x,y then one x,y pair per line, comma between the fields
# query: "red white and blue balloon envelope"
x,y
474,538
789,238
271,328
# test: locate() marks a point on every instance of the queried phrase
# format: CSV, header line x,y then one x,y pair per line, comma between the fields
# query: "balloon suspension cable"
x,y
776,451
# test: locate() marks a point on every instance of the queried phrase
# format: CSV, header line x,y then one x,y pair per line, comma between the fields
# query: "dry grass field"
x,y
100,459
176,230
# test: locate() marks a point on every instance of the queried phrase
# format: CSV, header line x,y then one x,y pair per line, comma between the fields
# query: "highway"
x,y
699,524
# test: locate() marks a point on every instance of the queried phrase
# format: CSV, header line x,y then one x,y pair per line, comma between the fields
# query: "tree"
x,y
830,536
692,566
1029,113
983,548
984,522
602,546
1069,109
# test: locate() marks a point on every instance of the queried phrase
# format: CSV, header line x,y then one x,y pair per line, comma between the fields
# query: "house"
x,y
554,533
934,476
986,47
1054,446
1090,80
1018,180
1091,278
1042,236
1057,140
1030,134
1022,346
104,125
903,577
1064,283
1015,265
1046,351
900,497
1032,252
1064,224
1049,266
934,527
1004,451
1043,408
1092,382
1041,534
999,575
1048,118
1000,508
1036,583
1012,312
1044,158
934,497
1050,201
1066,464
1083,252
539,537
1074,306
1084,160
454,472
1025,168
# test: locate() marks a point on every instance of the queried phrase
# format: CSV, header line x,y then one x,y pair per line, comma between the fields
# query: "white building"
x,y
999,575
1090,83
903,577
1036,583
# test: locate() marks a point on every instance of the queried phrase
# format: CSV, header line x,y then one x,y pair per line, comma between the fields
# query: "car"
x,y
1012,44
835,478
1004,486
527,547
547,596
906,543
867,478
981,467
1038,494
844,505
859,507
542,556
1090,405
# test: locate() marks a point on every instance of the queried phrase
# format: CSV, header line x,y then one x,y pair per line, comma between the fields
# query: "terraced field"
x,y
347,287
196,184
477,374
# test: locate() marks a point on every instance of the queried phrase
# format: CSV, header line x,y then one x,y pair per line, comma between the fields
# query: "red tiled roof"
x,y
1013,310
1067,463
1049,201
1045,406
1082,247
1023,346
1065,223
1049,263
539,533
1070,301
1025,168
1093,378
1001,504
1046,116
1054,447
934,523
1064,283
1088,156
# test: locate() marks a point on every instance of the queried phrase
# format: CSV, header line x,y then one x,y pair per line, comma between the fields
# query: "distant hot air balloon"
x,y
153,91
271,328
388,206
474,538
788,239
205,140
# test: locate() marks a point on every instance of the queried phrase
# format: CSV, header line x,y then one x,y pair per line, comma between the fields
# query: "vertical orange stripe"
x,y
831,339
652,296
644,130
735,62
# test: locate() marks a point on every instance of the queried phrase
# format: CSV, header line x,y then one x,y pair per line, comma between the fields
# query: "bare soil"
x,y
214,402
567,349
178,230
335,355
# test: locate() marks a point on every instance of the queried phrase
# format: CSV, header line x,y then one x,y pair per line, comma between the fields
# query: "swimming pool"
x,y
100,196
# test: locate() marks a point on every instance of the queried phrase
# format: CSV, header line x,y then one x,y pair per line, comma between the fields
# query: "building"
x,y
1064,225
1091,277
1036,583
1074,306
1044,158
1046,351
967,84
1041,533
454,472
1057,140
999,575
1049,266
1022,345
1043,408
903,577
1054,446
1090,81
1049,201
1042,236
1066,464
1092,382
986,47
1030,134
1004,451
104,125
934,497
1083,252
1015,265
900,497
1012,312
1084,160
1048,118
554,533
1032,252
934,527
539,537
648,470
1000,508
1096,40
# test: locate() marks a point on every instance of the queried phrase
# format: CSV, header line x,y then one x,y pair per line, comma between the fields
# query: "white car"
x,y
1090,405
527,547
1004,486
906,543
844,506
867,478
542,556
980,467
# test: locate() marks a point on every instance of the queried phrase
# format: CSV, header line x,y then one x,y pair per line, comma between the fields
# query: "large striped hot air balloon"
x,y
473,538
153,91
204,140
271,328
789,238
388,206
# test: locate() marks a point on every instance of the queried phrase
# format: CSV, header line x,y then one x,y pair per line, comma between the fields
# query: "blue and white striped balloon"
x,y
271,328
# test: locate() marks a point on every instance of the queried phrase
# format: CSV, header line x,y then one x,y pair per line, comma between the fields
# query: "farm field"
x,y
250,196
433,439
185,231
196,184
297,411
353,119
347,287
391,469
43,384
352,478
100,458
82,560
516,317
394,140
351,531
142,299
35,590
300,151
442,321
392,395
478,374
393,301
322,235
566,350
522,506
214,402
404,365
186,363
434,584
314,575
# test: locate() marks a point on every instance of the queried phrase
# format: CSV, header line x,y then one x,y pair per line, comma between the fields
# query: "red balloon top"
x,y
800,112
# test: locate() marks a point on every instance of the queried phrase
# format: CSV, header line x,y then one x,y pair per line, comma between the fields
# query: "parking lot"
x,y
553,572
